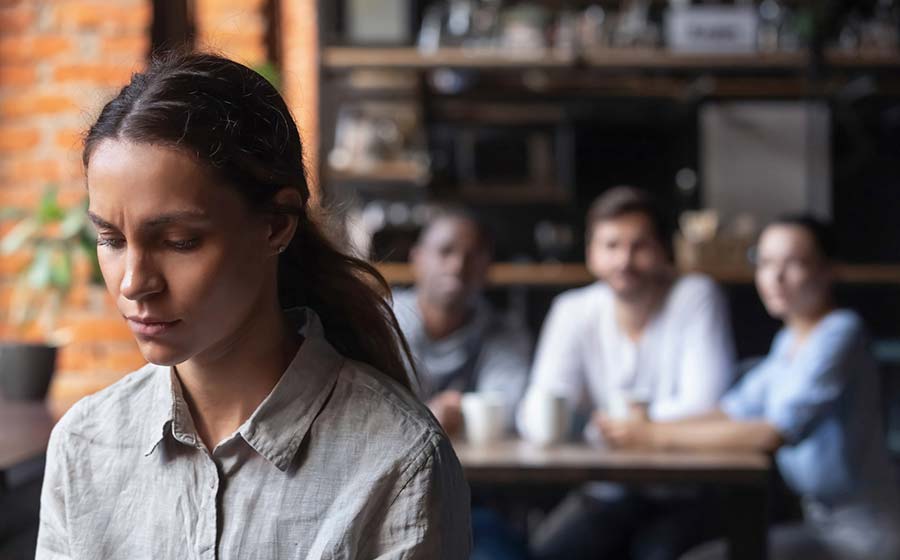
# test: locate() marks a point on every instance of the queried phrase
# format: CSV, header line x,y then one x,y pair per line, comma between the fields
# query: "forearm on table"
x,y
717,431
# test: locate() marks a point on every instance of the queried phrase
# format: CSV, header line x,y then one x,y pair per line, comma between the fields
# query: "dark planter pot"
x,y
26,370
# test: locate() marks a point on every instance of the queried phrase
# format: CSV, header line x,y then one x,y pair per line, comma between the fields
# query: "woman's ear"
x,y
283,226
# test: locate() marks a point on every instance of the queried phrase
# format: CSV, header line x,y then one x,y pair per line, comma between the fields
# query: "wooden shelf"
x,y
393,172
410,57
663,59
569,274
862,59
610,58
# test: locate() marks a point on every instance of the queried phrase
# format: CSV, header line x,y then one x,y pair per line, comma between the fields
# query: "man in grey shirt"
x,y
460,343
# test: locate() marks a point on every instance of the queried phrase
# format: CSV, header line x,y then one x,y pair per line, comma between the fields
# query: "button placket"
x,y
209,518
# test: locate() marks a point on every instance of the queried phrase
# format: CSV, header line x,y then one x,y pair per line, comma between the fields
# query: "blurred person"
x,y
813,402
459,342
275,418
643,334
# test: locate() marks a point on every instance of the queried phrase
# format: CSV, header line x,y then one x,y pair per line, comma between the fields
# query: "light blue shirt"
x,y
823,398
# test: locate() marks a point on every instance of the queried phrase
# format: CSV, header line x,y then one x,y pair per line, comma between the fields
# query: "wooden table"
x,y
24,433
745,475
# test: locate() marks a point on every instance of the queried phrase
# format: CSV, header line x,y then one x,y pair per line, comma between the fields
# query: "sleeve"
x,y
747,399
429,518
707,360
558,367
503,366
819,376
53,532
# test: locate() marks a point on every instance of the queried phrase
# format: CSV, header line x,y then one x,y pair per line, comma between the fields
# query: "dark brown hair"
x,y
821,231
238,126
456,211
622,200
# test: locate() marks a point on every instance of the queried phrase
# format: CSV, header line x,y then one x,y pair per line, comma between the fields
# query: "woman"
x,y
254,432
813,402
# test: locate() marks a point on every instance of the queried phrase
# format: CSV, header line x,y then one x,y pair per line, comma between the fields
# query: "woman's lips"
x,y
151,328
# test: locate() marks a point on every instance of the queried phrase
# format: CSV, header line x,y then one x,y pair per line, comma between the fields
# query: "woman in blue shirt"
x,y
813,402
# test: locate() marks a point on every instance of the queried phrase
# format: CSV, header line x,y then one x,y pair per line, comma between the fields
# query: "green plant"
x,y
51,237
269,71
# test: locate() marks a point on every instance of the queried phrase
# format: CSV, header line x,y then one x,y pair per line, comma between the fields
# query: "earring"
x,y
281,249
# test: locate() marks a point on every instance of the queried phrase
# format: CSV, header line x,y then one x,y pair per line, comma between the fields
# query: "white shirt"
x,y
681,365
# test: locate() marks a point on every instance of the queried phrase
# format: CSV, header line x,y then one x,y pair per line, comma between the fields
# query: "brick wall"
x,y
235,28
59,62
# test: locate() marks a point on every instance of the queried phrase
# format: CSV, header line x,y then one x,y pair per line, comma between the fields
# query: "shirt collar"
x,y
169,413
279,424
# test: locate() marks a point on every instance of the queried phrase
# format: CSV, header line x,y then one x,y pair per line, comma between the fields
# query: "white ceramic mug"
x,y
618,405
621,405
548,418
484,416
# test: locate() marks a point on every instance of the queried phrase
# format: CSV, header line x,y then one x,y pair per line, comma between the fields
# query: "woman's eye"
x,y
110,242
183,244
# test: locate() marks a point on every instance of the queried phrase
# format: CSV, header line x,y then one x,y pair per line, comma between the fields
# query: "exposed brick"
x,y
41,104
16,19
17,75
17,196
205,8
38,172
102,15
99,355
103,329
101,74
14,139
69,138
13,264
134,46
25,49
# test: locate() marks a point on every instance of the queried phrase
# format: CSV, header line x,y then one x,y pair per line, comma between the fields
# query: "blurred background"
x,y
730,112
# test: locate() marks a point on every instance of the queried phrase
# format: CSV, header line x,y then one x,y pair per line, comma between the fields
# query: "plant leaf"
x,y
49,209
18,236
73,221
270,72
61,270
38,275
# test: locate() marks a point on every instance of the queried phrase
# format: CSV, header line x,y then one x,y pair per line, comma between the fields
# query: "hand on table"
x,y
634,432
447,408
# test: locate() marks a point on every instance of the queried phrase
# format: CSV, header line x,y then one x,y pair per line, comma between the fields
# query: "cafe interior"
x,y
535,142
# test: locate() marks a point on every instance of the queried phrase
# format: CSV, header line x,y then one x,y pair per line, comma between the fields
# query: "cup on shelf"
x,y
484,417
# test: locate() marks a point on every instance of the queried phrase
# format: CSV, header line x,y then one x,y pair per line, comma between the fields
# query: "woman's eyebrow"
x,y
100,222
156,221
173,217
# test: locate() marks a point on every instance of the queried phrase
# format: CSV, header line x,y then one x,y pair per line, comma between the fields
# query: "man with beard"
x,y
641,341
459,342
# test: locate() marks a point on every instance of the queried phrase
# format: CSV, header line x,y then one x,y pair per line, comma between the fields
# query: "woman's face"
x,y
182,255
792,276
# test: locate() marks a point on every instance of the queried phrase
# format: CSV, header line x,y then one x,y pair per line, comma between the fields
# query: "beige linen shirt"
x,y
338,462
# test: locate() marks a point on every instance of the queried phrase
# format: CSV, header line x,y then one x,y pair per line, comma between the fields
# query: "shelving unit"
x,y
399,58
569,275
566,92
